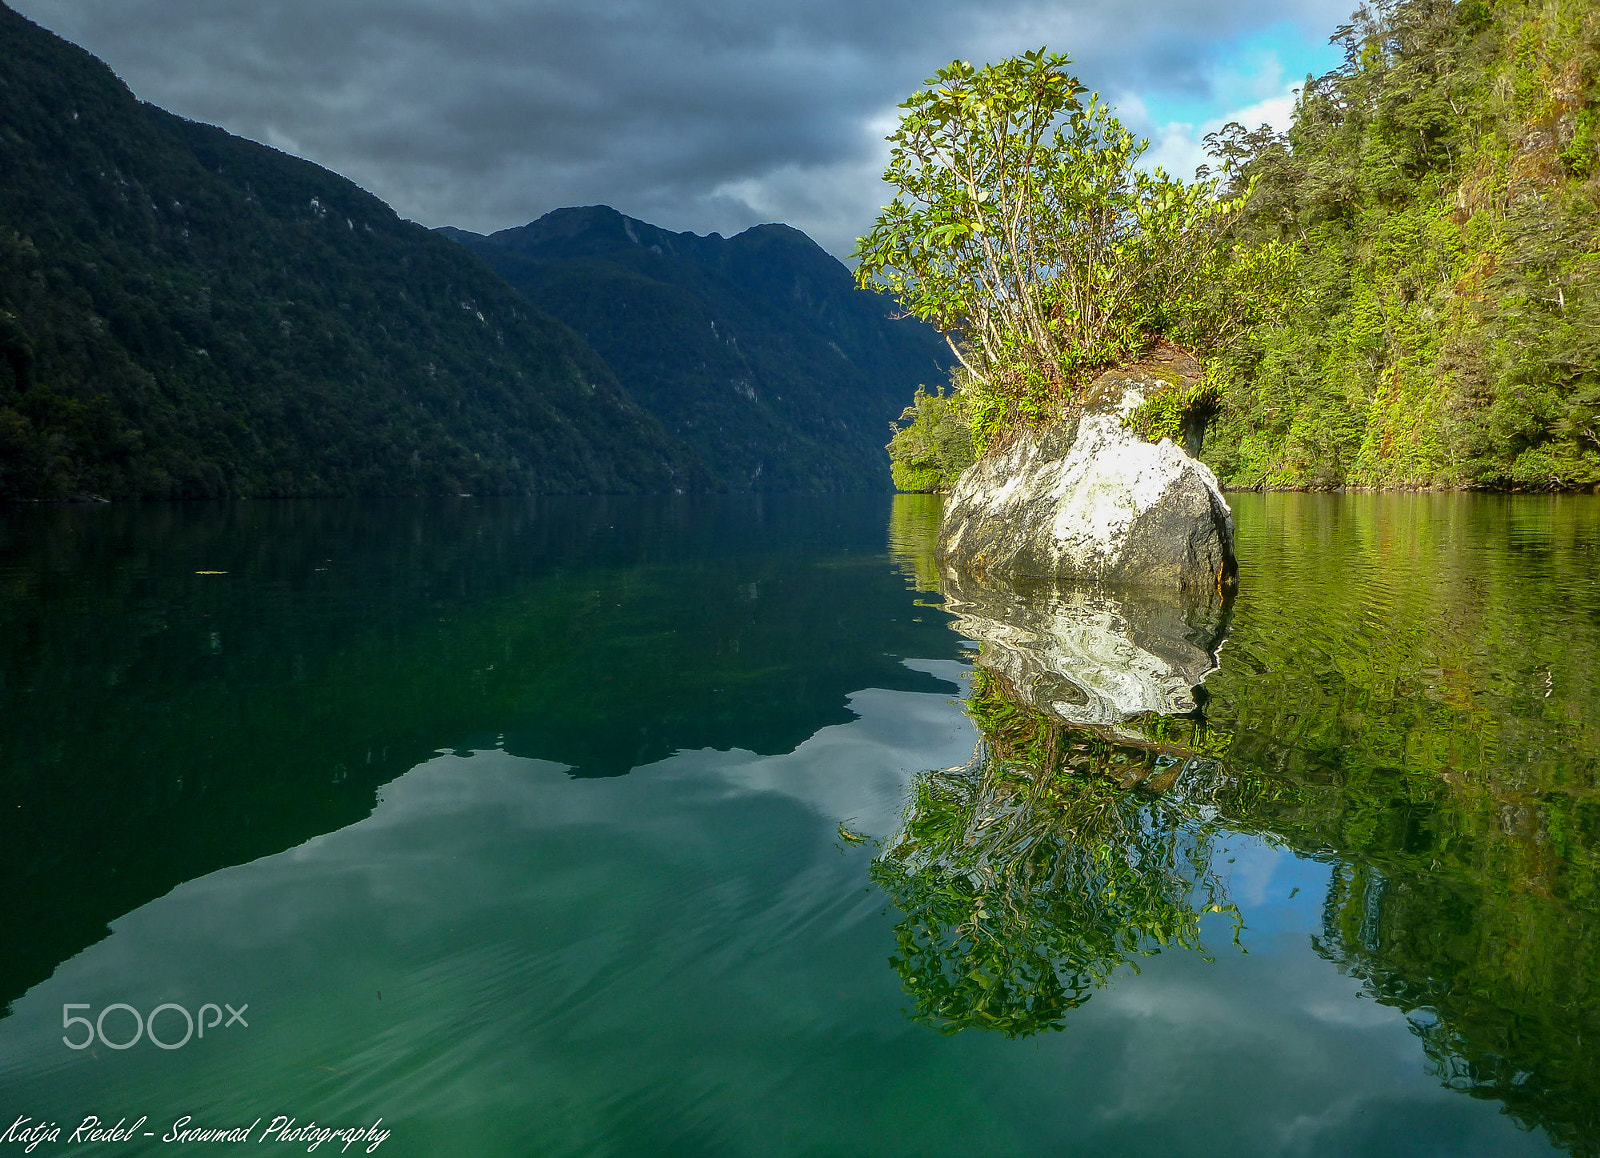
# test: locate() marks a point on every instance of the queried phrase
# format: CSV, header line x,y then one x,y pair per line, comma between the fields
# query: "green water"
x,y
580,827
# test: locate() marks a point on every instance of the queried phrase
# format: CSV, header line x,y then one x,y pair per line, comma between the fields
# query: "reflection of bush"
x,y
1029,875
1497,989
1146,747
1433,742
1442,751
913,536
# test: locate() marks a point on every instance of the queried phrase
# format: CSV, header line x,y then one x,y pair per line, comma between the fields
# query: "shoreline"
x,y
1413,490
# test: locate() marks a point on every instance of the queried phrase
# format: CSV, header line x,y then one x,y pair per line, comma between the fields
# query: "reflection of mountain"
x,y
214,719
514,918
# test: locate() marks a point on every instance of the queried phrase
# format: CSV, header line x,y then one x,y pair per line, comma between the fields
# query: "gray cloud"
x,y
694,114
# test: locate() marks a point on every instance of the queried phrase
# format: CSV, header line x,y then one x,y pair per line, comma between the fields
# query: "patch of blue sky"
x,y
1251,79
1245,71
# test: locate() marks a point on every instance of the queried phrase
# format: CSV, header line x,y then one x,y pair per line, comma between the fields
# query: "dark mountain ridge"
x,y
757,350
184,313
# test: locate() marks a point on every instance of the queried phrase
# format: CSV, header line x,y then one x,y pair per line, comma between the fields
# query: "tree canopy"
x,y
1023,228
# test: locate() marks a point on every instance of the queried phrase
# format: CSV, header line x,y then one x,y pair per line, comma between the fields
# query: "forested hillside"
x,y
187,314
1440,196
757,350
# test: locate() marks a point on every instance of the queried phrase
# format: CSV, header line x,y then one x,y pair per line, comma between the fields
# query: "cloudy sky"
x,y
692,114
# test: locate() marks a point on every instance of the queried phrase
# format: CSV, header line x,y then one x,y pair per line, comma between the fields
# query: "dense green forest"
x,y
1440,195
1403,289
187,314
757,350
934,447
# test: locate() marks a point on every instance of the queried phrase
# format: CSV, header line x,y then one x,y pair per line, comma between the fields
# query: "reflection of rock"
x,y
1089,499
1089,656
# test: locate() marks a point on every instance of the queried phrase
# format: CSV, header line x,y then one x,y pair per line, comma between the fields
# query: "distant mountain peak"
x,y
577,227
757,350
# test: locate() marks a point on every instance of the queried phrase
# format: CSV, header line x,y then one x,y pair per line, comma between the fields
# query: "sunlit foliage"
x,y
931,451
1440,196
1023,227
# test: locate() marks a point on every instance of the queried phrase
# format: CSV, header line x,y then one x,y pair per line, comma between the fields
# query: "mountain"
x,y
187,314
757,350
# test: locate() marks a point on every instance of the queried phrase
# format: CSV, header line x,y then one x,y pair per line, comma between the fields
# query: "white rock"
x,y
1090,499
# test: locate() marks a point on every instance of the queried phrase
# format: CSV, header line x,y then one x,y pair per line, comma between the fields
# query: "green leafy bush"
x,y
1175,412
1023,228
931,452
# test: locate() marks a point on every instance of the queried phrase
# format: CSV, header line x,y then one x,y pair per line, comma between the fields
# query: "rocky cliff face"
x,y
1088,499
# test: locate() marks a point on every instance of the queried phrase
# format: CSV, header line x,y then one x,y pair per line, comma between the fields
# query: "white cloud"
x,y
692,114
1179,146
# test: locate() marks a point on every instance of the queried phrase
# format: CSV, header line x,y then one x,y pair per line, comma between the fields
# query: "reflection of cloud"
x,y
827,772
444,888
1317,1086
1340,1009
682,958
1261,874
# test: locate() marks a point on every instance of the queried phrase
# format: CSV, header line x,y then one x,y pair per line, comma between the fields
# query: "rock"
x,y
1088,499
1086,655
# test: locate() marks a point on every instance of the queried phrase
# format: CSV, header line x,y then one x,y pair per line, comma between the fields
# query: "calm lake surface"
x,y
665,827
